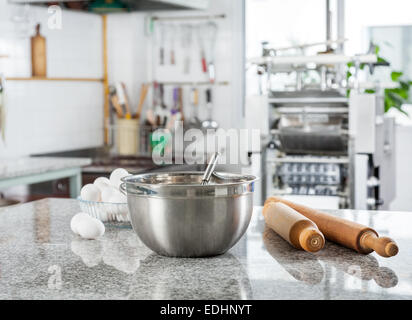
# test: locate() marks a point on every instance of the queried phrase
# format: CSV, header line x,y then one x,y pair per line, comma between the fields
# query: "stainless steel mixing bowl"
x,y
176,216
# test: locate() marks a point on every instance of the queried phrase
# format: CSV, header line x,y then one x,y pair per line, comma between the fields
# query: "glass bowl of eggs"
x,y
103,200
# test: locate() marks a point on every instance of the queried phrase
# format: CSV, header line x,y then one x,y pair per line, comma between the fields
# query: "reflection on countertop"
x,y
40,258
306,267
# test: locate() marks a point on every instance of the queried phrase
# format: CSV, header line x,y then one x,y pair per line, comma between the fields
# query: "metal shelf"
x,y
193,83
52,79
308,100
308,159
194,17
278,132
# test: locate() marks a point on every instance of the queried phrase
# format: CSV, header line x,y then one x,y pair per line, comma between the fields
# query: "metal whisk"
x,y
210,168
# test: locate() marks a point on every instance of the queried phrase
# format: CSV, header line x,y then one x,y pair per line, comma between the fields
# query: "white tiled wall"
x,y
50,116
229,63
133,59
55,116
127,57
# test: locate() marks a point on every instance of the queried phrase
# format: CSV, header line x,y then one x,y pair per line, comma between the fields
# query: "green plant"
x,y
397,97
393,97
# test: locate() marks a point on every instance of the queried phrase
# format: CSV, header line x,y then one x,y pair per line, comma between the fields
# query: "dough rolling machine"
x,y
324,149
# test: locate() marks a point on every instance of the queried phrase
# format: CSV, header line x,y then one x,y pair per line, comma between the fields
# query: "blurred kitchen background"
x,y
84,84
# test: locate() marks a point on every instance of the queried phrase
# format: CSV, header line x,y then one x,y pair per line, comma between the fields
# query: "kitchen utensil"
x,y
210,168
172,44
105,211
175,99
174,215
295,228
222,176
180,102
194,102
123,99
159,111
165,115
174,112
116,105
347,233
143,93
38,54
150,118
209,123
126,102
162,44
199,32
209,35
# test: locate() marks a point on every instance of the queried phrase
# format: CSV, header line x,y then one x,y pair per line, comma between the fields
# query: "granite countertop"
x,y
17,167
40,258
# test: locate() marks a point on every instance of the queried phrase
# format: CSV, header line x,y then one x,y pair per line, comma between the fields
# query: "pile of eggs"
x,y
101,201
105,190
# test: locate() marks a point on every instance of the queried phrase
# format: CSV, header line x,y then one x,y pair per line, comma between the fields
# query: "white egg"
x,y
77,218
107,193
118,197
90,192
116,175
101,183
90,228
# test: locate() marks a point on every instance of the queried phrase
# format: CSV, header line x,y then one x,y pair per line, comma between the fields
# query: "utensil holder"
x,y
127,138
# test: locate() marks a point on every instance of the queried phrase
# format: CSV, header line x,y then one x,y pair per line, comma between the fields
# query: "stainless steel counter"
x,y
40,258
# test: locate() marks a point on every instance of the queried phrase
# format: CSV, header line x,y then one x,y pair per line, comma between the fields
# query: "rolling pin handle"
x,y
384,246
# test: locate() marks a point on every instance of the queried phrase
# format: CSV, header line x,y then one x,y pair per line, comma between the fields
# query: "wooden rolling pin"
x,y
296,229
347,233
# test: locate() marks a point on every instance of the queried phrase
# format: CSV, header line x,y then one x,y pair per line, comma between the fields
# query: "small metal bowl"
x,y
174,215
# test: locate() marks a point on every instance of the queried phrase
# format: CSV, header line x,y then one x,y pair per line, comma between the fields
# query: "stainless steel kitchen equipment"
x,y
326,150
330,144
210,168
309,129
174,215
373,158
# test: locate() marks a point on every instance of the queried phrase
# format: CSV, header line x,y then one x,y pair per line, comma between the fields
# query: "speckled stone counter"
x,y
10,168
40,258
